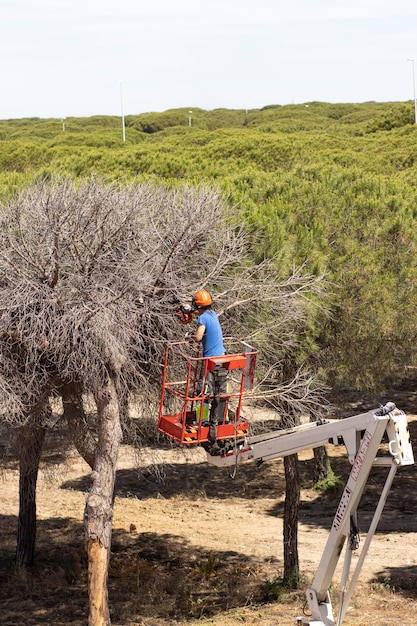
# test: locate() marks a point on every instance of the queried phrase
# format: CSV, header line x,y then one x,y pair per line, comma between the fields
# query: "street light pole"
x,y
122,112
414,91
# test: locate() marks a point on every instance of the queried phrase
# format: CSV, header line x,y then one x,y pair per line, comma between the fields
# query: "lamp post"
x,y
122,112
414,91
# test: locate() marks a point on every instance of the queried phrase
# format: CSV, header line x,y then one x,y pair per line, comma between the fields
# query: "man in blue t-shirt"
x,y
210,334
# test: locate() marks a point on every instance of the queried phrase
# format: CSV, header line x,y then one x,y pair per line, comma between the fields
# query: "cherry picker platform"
x,y
201,398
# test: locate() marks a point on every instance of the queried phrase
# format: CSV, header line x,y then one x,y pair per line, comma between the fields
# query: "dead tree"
x,y
88,277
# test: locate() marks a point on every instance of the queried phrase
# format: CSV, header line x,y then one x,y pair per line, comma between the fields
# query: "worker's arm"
x,y
198,335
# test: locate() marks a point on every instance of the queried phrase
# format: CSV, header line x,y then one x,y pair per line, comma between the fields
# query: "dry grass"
x,y
173,563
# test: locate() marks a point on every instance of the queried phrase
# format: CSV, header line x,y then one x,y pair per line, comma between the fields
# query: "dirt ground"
x,y
193,544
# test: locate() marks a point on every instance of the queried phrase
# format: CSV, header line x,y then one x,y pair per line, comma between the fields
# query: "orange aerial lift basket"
x,y
198,392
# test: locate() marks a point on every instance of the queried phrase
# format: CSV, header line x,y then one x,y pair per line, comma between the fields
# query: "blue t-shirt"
x,y
213,337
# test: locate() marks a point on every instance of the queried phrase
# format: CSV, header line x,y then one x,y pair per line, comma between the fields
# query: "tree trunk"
x,y
74,413
320,463
99,506
291,506
30,441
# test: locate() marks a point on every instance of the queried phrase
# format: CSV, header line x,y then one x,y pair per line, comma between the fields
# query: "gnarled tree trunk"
x,y
99,506
74,413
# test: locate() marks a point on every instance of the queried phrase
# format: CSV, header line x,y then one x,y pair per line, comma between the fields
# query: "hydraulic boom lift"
x,y
379,437
363,437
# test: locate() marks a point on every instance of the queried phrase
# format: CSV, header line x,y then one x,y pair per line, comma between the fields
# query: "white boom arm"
x,y
362,435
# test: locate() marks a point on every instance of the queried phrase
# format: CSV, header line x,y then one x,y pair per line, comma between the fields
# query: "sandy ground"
x,y
186,523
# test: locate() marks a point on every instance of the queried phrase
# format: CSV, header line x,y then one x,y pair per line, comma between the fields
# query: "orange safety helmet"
x,y
202,298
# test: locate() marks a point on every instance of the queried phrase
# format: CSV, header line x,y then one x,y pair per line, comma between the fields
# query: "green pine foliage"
x,y
332,187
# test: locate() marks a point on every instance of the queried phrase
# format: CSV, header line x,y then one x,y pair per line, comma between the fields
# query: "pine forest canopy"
x,y
330,187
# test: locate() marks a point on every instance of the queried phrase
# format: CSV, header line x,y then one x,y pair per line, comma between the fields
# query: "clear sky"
x,y
62,58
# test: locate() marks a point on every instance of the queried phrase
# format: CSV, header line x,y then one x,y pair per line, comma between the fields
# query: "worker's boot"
x,y
212,433
213,418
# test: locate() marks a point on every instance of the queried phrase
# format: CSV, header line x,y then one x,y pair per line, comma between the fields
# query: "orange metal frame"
x,y
188,422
